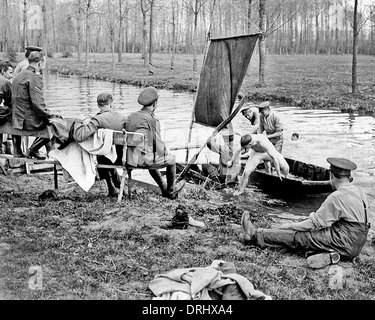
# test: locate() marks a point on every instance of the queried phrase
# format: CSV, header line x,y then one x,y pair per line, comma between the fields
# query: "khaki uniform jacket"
x,y
29,111
144,121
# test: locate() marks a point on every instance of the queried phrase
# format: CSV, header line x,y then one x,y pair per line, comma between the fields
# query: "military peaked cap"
x,y
264,105
341,166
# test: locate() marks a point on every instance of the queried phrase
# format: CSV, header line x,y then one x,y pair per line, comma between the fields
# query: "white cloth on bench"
x,y
80,159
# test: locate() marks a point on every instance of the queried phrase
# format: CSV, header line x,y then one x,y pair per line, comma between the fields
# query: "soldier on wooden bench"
x,y
29,111
155,154
107,118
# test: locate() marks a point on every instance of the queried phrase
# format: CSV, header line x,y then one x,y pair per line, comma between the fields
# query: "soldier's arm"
x,y
83,130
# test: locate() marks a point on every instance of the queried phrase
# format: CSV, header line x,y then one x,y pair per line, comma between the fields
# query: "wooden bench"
x,y
124,138
43,133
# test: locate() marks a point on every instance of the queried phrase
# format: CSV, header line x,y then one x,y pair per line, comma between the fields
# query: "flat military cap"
x,y
264,105
341,166
33,48
148,96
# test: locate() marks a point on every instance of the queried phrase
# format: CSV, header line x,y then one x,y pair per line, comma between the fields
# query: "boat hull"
x,y
304,178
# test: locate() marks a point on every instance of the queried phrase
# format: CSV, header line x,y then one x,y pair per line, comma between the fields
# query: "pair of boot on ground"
x,y
314,260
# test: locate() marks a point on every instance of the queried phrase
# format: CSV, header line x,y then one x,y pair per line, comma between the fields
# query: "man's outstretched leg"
x,y
282,238
275,238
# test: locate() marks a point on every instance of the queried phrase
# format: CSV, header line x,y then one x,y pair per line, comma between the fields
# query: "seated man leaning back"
x,y
154,154
106,118
261,149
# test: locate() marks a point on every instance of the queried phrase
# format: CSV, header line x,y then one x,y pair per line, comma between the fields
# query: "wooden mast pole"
x,y
195,99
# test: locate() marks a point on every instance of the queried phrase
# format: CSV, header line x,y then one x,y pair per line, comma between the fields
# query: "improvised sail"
x,y
221,78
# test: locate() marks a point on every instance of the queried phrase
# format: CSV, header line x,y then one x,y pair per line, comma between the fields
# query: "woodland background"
x,y
83,27
182,26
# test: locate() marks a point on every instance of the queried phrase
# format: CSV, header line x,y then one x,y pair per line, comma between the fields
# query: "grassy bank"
x,y
307,81
90,248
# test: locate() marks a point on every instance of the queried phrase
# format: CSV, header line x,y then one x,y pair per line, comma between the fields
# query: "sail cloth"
x,y
221,78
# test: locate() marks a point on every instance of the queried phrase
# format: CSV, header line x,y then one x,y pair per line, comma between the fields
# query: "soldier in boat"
x,y
261,149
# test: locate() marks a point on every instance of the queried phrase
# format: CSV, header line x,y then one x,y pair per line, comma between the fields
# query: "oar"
x,y
214,133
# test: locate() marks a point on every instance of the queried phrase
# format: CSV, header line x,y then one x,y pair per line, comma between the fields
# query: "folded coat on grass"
x,y
195,284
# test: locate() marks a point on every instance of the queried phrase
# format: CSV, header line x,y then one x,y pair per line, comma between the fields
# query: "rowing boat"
x,y
304,178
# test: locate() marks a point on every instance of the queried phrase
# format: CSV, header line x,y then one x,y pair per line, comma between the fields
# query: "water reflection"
x,y
322,133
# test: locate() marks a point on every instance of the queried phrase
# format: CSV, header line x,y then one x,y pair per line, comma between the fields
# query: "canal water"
x,y
322,133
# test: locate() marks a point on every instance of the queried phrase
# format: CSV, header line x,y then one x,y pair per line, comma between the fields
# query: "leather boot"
x,y
17,147
9,149
179,221
172,188
116,178
34,148
156,175
112,192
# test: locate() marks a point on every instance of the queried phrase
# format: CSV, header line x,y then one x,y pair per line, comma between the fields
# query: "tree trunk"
x,y
249,14
54,25
135,32
327,30
112,36
337,40
173,46
144,34
150,68
195,40
44,36
87,18
262,41
120,32
24,24
355,47
6,27
79,31
292,38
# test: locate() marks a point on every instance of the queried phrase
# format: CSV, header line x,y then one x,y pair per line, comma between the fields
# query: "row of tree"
x,y
291,26
184,26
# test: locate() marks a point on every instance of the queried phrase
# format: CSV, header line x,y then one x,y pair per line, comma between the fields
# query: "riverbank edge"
x,y
347,103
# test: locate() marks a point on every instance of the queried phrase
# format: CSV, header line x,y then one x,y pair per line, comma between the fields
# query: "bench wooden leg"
x,y
130,183
55,176
122,186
